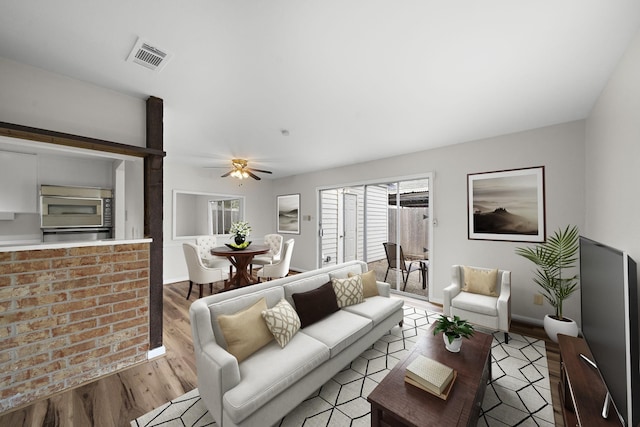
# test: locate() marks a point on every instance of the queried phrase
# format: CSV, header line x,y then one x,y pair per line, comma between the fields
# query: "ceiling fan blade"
x,y
252,175
258,170
226,174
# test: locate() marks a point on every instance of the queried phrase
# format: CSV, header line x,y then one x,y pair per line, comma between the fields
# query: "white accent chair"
x,y
205,244
483,310
274,241
280,268
199,273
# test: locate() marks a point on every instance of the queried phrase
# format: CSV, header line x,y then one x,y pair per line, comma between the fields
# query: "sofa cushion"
x,y
237,303
339,330
316,304
376,308
480,281
482,304
245,331
348,291
303,285
283,321
271,371
369,283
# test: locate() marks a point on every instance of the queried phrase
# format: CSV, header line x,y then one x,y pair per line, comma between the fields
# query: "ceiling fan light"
x,y
245,174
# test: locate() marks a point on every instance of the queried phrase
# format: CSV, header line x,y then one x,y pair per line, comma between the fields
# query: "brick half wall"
x,y
69,316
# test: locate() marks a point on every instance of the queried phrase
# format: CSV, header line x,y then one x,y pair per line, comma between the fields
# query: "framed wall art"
x,y
507,205
288,207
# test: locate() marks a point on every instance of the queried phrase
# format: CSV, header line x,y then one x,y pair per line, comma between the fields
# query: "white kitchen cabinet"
x,y
18,182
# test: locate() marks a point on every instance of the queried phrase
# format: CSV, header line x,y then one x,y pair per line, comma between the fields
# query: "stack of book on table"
x,y
431,376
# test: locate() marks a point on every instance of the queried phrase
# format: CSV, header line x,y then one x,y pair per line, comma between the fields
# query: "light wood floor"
x,y
115,400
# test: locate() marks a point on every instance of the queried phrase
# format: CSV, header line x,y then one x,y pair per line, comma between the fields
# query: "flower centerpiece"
x,y
239,231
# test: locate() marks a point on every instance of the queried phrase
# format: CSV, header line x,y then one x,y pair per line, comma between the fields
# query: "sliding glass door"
x,y
384,224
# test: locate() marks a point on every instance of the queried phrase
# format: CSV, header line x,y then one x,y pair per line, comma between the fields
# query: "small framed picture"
x,y
507,205
288,207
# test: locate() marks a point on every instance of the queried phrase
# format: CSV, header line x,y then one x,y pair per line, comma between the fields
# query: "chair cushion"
x,y
282,321
316,304
477,303
348,291
480,281
270,371
369,285
245,331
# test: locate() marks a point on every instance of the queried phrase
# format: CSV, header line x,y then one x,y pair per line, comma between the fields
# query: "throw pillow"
x,y
283,322
316,304
348,291
245,331
370,288
480,281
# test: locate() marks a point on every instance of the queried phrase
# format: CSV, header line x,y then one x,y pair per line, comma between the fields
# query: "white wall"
x,y
260,208
559,148
613,159
33,97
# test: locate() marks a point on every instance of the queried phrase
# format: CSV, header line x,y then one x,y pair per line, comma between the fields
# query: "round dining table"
x,y
240,260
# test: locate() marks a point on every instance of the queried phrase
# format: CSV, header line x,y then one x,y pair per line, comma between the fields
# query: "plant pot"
x,y
239,239
553,327
454,347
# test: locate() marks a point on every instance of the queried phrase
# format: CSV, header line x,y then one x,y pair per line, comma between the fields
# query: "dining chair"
x,y
406,267
280,268
205,244
274,241
199,273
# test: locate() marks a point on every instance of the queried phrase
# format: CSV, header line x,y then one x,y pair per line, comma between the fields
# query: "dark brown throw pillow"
x,y
316,304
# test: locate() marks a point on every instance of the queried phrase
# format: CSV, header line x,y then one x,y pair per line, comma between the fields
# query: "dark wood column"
x,y
153,207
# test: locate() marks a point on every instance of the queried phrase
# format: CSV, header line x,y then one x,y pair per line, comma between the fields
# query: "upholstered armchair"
x,y
274,241
480,295
280,268
199,273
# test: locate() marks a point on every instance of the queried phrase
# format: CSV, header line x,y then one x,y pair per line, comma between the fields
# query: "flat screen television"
x,y
609,305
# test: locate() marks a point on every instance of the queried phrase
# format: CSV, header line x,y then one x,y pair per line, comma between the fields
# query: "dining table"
x,y
240,259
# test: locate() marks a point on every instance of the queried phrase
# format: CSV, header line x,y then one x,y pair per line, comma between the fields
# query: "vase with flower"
x,y
239,232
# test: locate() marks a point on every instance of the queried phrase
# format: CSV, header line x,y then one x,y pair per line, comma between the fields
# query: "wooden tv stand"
x,y
582,392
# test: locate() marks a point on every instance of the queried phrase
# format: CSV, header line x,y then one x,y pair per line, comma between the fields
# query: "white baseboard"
x,y
156,352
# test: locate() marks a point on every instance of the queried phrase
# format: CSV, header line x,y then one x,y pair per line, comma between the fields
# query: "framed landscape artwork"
x,y
507,205
289,213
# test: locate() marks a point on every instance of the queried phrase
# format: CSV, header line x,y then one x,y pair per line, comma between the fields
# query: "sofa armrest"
x,y
217,369
384,289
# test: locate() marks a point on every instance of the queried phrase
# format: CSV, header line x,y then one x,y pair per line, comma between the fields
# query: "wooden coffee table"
x,y
396,403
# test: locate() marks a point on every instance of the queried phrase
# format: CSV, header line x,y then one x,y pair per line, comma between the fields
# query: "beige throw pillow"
x,y
283,322
480,281
370,288
245,331
348,291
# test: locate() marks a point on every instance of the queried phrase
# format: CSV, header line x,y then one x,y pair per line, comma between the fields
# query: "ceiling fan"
x,y
240,170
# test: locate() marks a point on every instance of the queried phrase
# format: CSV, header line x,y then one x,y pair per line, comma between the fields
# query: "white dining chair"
x,y
280,268
199,273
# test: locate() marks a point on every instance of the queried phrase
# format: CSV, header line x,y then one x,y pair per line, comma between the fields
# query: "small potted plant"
x,y
556,261
453,330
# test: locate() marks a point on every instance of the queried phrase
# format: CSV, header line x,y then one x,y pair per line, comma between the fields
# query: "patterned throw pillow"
x,y
348,291
283,322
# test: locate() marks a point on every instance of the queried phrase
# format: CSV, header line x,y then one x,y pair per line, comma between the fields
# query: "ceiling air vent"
x,y
148,56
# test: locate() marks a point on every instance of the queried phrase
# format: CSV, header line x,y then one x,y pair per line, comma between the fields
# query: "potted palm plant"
x,y
453,330
555,274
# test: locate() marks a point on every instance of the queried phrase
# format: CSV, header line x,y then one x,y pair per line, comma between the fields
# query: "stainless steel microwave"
x,y
75,207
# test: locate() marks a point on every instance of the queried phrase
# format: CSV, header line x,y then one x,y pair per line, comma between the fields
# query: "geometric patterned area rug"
x,y
518,394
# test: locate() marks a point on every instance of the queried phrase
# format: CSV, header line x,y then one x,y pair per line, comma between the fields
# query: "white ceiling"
x,y
350,80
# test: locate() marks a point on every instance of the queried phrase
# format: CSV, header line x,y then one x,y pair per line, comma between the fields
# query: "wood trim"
x,y
69,140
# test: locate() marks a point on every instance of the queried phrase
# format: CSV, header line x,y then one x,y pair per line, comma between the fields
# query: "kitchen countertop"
x,y
58,245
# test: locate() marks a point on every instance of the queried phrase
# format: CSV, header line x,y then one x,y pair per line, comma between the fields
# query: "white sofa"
x,y
264,387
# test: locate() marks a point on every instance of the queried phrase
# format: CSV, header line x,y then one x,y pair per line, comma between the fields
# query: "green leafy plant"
x,y
240,228
555,258
453,328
